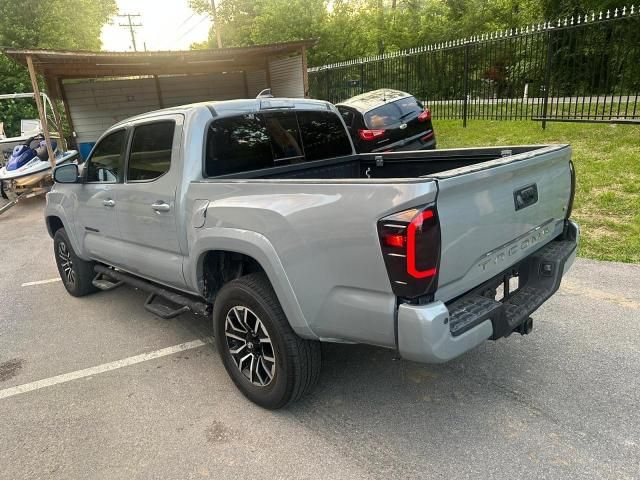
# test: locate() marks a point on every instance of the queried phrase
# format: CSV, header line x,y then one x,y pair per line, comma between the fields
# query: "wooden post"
x,y
65,104
246,84
51,87
305,73
268,73
158,91
43,117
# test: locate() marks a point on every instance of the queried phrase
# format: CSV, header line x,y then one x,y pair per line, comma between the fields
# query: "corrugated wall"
x,y
256,82
286,77
95,105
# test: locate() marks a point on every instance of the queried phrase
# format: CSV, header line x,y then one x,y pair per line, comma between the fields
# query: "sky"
x,y
166,25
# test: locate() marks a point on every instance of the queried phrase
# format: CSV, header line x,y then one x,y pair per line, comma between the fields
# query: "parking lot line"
x,y
105,367
41,282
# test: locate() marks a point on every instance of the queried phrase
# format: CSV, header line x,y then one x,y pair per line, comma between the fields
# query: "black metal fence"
x,y
584,68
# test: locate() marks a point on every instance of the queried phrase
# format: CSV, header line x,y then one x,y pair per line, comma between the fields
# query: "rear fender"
x,y
259,248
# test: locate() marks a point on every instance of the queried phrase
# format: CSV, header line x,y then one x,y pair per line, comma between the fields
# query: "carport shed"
x,y
99,89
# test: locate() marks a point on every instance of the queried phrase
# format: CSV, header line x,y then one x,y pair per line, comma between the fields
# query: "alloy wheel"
x,y
250,345
66,263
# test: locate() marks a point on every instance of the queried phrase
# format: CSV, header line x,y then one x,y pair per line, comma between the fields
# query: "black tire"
x,y
76,274
2,193
296,366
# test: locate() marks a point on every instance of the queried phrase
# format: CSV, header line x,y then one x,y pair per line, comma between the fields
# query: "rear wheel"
x,y
266,360
76,274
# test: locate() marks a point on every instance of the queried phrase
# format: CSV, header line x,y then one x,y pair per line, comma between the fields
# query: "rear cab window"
x,y
392,113
256,141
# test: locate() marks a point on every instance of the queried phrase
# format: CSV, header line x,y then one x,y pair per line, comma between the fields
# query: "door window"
x,y
150,155
347,116
105,164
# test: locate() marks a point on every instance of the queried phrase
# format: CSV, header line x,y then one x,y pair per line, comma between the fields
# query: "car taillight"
x,y
410,242
424,116
369,135
573,189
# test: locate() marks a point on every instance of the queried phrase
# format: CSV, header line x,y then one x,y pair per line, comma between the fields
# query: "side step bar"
x,y
182,302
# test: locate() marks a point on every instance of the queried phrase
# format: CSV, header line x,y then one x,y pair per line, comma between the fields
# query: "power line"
x,y
190,30
185,21
131,26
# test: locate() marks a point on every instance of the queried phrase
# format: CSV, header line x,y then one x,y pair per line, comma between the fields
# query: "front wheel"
x,y
76,274
264,357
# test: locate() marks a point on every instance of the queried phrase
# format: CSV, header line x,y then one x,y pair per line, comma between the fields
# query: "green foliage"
x,y
53,24
348,29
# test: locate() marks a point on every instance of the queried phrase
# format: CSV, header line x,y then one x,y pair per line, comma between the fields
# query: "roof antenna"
x,y
266,93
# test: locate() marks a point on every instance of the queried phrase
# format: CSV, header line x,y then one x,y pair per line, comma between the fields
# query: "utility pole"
x,y
215,24
131,26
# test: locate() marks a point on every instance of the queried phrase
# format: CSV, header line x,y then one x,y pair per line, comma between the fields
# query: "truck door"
x,y
96,223
146,211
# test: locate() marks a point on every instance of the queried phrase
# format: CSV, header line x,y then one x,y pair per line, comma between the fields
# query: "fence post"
x,y
547,79
465,84
361,77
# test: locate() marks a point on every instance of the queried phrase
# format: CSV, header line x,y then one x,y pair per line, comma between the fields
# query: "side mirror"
x,y
66,173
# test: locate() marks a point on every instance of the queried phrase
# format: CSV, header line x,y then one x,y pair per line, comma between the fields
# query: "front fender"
x,y
59,205
258,247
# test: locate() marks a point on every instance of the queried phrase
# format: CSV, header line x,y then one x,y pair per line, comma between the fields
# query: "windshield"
x,y
392,113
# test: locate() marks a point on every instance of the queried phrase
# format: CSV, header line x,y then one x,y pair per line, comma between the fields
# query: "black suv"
x,y
387,120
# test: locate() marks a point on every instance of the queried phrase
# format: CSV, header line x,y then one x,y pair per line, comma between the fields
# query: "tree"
x,y
52,24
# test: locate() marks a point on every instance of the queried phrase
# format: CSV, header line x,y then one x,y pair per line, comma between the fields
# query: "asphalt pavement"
x,y
562,402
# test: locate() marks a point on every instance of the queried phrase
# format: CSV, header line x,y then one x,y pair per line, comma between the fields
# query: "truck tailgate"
x,y
495,213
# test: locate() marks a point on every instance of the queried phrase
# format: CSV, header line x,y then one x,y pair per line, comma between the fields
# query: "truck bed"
x,y
321,217
416,164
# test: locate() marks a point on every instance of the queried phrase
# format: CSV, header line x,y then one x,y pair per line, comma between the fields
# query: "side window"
x,y
150,155
323,135
284,133
106,162
347,116
237,144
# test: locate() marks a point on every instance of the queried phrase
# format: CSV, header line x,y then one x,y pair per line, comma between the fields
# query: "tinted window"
x,y
323,135
347,116
106,161
284,133
237,144
150,155
392,113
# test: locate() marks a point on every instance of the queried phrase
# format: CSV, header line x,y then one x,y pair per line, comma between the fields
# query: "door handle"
x,y
161,207
109,203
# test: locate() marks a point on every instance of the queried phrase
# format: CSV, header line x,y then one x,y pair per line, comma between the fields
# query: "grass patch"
x,y
607,162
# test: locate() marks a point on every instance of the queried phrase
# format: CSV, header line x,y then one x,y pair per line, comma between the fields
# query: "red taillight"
x,y
417,223
369,135
424,116
410,242
395,240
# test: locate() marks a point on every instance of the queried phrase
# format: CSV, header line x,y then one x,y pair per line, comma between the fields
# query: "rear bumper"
x,y
438,332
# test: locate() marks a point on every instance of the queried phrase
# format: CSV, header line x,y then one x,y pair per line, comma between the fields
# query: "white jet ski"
x,y
28,127
29,166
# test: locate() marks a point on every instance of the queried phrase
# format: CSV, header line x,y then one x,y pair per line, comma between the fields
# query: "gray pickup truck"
x,y
259,214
